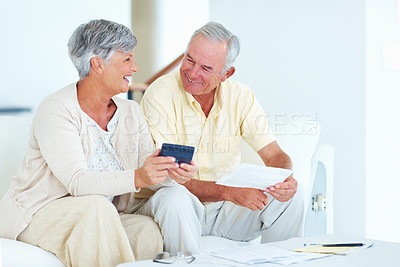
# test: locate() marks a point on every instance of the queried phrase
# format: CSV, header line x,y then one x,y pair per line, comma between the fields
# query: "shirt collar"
x,y
218,99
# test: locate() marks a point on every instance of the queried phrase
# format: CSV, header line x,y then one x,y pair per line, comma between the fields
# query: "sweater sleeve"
x,y
59,142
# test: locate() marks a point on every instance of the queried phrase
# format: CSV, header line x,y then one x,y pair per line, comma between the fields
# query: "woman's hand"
x,y
154,170
184,173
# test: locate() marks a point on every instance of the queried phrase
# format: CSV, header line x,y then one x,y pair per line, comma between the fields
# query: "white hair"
x,y
217,32
98,38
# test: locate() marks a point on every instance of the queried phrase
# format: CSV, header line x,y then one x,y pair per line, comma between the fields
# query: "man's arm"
x,y
254,199
273,156
206,191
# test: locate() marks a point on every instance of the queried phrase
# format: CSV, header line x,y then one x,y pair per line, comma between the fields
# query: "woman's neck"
x,y
95,102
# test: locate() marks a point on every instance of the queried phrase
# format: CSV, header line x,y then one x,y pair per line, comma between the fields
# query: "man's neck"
x,y
206,101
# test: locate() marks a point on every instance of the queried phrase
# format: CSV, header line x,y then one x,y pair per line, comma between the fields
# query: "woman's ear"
x,y
96,64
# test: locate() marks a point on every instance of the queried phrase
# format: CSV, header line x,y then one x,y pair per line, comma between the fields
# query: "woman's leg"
x,y
80,231
144,235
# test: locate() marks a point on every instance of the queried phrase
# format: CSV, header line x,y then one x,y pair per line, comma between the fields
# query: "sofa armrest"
x,y
322,182
324,155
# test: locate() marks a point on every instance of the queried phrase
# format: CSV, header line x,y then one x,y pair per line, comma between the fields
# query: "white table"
x,y
382,253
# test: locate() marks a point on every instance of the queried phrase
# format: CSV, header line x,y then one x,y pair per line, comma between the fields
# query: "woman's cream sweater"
x,y
55,164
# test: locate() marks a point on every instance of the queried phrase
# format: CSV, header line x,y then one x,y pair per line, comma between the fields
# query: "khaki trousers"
x,y
88,231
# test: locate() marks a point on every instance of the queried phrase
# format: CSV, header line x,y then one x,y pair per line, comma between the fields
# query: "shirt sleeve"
x,y
254,128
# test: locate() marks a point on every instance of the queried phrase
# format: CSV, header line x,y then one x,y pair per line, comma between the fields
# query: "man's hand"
x,y
251,198
154,170
283,191
184,173
273,156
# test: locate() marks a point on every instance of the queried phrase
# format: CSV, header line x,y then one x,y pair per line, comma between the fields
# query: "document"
x,y
325,244
254,176
323,250
263,253
331,249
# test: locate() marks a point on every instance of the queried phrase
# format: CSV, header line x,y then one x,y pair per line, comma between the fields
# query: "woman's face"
x,y
118,72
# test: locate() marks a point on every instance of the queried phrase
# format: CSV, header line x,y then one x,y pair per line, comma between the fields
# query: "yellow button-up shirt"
x,y
174,116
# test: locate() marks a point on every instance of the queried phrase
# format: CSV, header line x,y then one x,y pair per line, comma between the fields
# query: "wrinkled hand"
x,y
154,170
184,173
283,191
251,198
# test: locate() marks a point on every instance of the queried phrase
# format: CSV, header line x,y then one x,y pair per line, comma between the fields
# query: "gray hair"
x,y
98,38
217,32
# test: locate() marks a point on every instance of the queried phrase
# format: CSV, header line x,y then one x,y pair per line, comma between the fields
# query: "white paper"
x,y
254,176
263,253
296,243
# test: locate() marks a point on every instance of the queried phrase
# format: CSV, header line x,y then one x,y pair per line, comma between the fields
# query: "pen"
x,y
338,245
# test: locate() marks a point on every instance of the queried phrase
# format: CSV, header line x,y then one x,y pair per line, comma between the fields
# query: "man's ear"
x,y
96,64
228,73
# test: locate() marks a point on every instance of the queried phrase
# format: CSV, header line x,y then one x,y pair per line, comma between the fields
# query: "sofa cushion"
x,y
298,137
16,253
14,138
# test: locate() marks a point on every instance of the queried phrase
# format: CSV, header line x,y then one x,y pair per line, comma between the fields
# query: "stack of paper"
x,y
338,250
323,250
263,253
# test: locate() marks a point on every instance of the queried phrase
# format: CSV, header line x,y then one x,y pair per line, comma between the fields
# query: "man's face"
x,y
202,65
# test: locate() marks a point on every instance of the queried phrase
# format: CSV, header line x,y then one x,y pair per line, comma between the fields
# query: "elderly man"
x,y
200,106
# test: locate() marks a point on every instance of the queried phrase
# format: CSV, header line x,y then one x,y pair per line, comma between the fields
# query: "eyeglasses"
x,y
165,257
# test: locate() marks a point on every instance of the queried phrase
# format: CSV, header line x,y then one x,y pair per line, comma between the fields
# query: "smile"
x,y
191,81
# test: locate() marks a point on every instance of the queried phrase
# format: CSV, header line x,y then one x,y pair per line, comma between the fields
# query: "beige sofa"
x,y
297,135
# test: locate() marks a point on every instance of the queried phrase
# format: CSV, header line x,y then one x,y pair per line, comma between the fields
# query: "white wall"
x,y
162,34
34,39
307,57
383,128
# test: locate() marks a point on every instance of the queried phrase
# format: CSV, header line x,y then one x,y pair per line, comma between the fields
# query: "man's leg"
x,y
242,224
80,231
179,214
290,223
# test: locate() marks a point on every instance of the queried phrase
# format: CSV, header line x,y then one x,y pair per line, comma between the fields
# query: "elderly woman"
x,y
89,152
